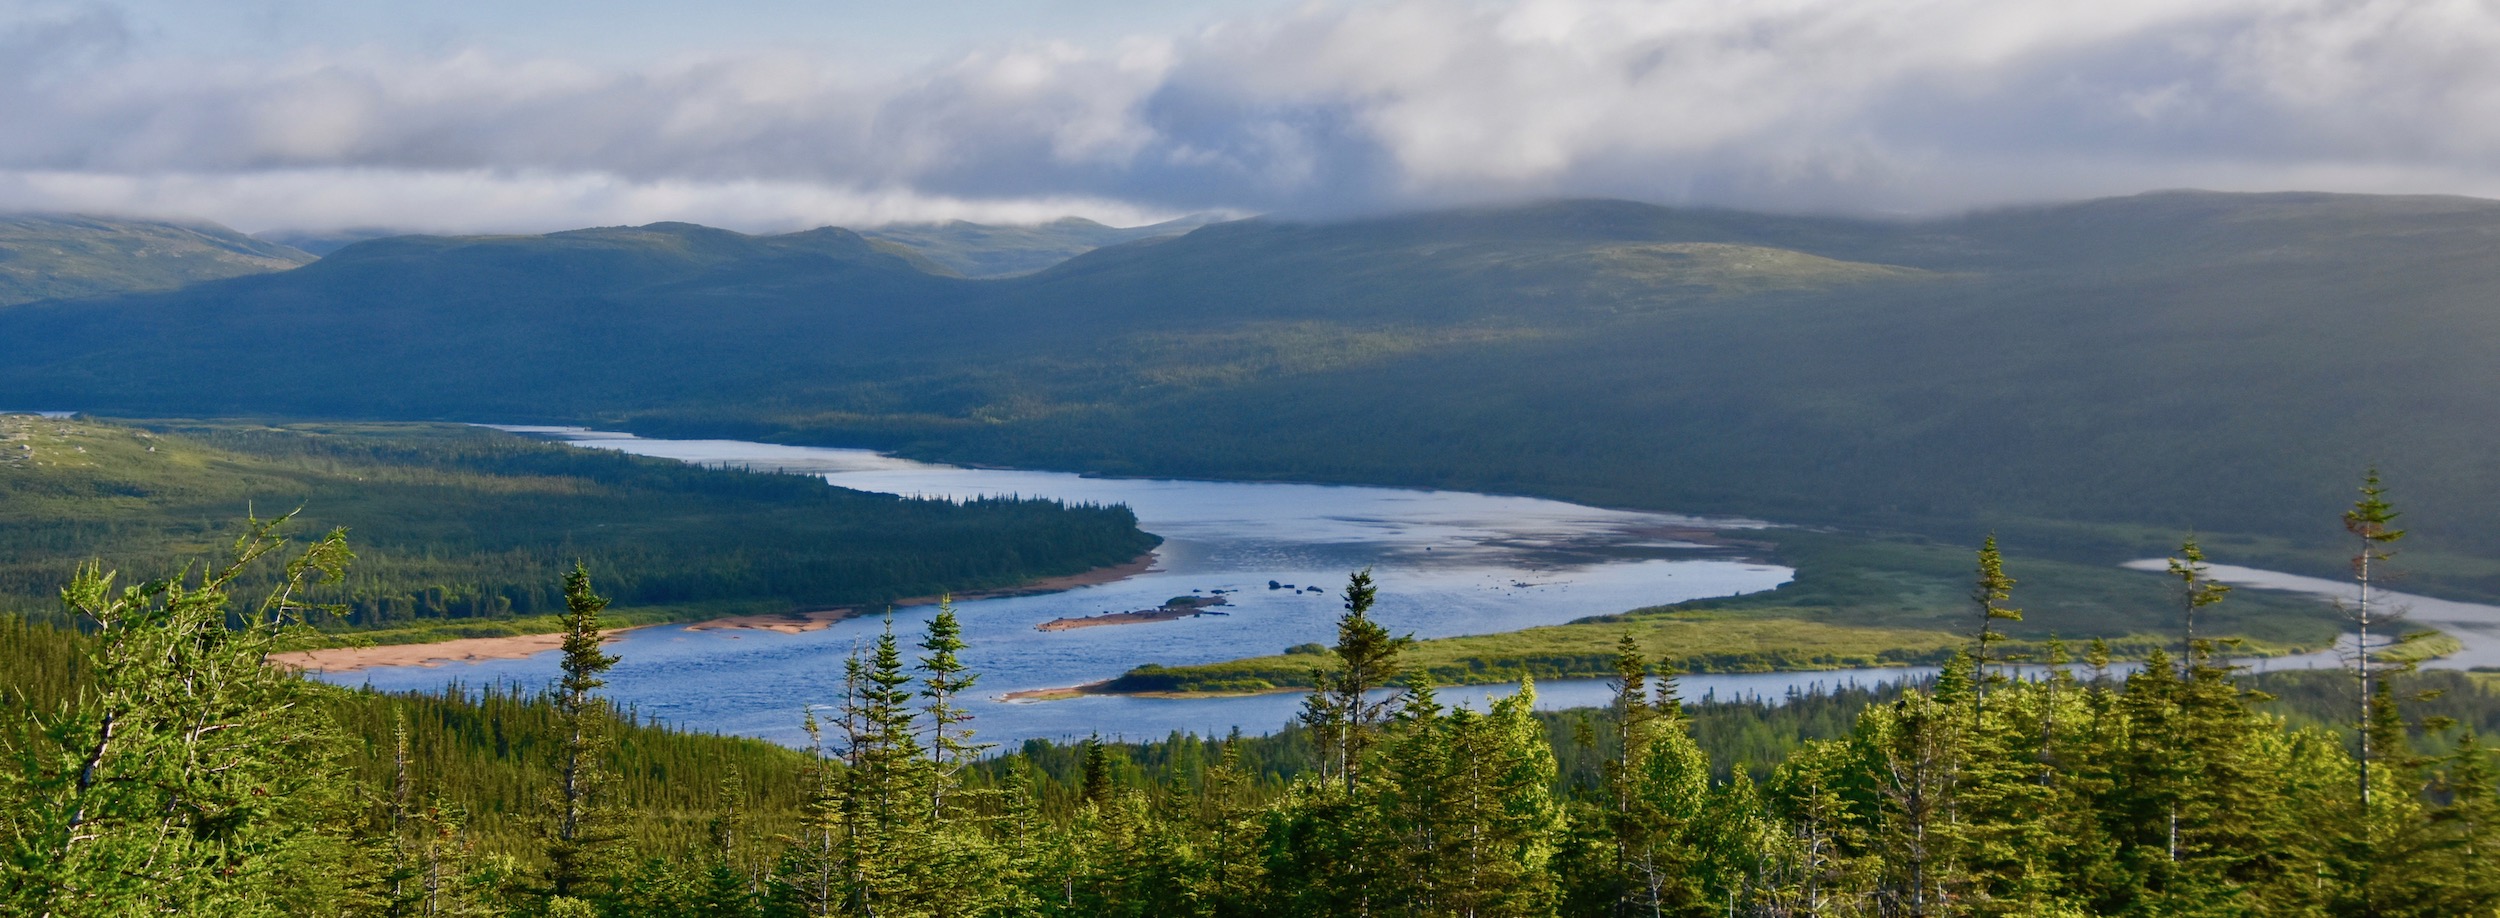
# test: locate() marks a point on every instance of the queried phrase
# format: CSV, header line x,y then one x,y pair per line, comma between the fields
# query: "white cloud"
x,y
1846,105
460,201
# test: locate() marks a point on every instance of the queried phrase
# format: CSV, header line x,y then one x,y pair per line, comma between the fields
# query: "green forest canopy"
x,y
463,530
2169,792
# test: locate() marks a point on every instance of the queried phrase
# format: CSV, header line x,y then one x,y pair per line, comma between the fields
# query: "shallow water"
x,y
2475,625
1447,563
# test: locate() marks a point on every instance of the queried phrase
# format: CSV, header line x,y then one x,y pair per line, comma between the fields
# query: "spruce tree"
x,y
191,776
1989,590
579,838
889,784
943,681
1343,718
2370,523
2197,590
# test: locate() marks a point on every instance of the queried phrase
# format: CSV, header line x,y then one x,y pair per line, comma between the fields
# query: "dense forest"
x,y
464,531
154,762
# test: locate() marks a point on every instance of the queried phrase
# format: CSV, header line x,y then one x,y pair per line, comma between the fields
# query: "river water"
x,y
1447,563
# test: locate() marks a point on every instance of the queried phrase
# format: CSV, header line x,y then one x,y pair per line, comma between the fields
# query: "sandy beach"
x,y
463,650
471,650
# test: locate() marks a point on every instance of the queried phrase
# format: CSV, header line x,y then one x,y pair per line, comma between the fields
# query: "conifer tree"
x,y
2197,590
578,836
810,877
1234,874
1502,811
1819,868
888,784
1916,748
943,681
1654,789
1411,805
1989,590
1342,716
192,776
2370,523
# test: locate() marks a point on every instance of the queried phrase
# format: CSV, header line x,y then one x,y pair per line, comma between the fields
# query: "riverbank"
x,y
518,646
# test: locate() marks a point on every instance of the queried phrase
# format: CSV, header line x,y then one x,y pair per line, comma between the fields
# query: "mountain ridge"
x,y
2165,361
66,256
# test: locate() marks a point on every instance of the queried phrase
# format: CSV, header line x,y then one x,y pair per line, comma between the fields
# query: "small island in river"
x,y
1178,607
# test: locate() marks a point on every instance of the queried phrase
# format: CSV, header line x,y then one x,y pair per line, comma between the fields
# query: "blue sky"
x,y
783,114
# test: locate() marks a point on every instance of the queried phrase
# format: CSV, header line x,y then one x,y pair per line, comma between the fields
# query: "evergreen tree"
x,y
888,786
191,776
1340,712
1915,748
1654,790
1502,809
811,873
1819,867
2197,590
943,680
579,840
1989,590
2370,522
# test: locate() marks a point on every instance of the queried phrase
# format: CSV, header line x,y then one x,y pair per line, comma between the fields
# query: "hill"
x,y
2100,375
982,250
466,532
324,242
59,256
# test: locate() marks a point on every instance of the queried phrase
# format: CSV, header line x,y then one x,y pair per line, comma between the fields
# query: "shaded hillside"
x,y
2144,364
982,250
59,256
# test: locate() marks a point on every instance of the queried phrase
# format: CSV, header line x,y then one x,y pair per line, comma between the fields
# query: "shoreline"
x,y
430,655
518,646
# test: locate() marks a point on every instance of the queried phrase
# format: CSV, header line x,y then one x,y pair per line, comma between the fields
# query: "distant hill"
x,y
981,250
59,256
2141,365
324,242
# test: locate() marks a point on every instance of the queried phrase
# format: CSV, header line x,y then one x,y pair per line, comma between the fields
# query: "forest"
x,y
465,532
2046,372
155,763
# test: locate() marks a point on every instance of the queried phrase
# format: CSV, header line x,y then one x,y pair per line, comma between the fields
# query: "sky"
x,y
768,115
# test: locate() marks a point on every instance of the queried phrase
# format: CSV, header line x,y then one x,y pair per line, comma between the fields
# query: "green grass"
x,y
1857,601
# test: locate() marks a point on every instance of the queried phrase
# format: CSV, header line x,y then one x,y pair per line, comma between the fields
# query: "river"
x,y
1447,563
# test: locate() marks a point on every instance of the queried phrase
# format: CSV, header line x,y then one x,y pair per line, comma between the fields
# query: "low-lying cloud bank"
x,y
1814,105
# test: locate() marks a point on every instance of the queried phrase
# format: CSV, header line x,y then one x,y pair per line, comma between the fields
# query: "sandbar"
x,y
514,647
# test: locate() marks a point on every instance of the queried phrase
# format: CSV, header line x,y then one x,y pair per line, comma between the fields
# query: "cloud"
x,y
1815,105
524,201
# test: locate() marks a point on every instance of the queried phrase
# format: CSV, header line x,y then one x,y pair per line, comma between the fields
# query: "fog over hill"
x,y
2227,362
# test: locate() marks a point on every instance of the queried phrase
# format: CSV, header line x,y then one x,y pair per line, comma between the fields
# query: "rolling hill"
x,y
2107,373
60,256
984,250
